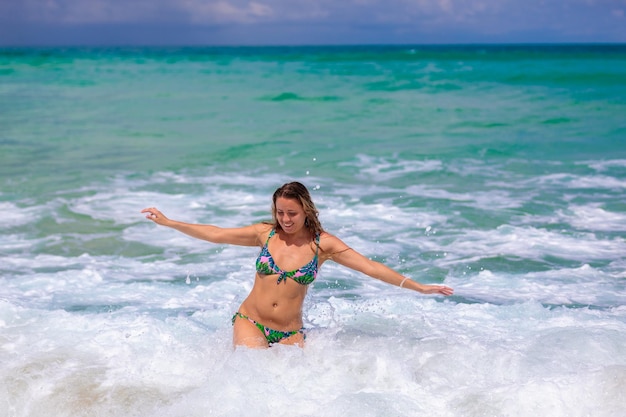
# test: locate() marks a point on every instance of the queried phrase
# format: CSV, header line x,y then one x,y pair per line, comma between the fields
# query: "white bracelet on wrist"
x,y
403,281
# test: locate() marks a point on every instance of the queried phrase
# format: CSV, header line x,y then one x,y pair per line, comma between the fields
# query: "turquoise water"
x,y
498,170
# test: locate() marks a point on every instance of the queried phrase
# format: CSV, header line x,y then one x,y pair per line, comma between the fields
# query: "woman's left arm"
x,y
339,252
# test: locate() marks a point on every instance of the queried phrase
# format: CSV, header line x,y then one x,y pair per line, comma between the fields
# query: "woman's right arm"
x,y
242,236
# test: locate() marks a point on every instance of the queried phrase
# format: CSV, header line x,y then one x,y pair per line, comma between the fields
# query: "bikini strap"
x,y
317,243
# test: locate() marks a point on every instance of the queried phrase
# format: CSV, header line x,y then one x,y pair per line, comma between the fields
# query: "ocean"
x,y
497,170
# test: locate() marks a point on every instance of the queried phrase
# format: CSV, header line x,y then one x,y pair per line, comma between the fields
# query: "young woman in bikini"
x,y
293,248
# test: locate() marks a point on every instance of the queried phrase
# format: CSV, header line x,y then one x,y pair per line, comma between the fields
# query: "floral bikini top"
x,y
305,275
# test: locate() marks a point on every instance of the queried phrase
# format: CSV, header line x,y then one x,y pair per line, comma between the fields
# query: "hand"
x,y
155,215
438,289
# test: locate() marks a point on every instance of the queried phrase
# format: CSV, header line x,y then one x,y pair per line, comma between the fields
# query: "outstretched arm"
x,y
344,255
243,236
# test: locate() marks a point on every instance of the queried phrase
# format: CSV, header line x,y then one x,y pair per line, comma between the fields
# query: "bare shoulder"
x,y
336,250
331,245
263,231
328,239
263,227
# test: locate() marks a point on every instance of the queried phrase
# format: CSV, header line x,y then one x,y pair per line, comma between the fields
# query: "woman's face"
x,y
290,214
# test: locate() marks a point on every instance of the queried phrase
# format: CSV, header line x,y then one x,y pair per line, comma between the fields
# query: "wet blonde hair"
x,y
297,191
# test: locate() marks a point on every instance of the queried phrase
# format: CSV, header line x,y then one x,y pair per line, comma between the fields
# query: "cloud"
x,y
264,11
85,11
387,20
222,11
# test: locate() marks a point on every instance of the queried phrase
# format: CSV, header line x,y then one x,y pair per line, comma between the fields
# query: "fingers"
x,y
440,289
437,289
446,290
153,213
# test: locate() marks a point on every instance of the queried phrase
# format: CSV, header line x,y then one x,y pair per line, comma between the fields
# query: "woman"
x,y
272,312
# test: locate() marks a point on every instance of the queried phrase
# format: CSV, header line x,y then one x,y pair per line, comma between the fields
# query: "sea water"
x,y
497,170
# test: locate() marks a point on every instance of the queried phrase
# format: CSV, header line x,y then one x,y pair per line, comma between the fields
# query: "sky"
x,y
308,22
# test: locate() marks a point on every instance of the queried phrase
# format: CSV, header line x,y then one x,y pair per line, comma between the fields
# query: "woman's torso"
x,y
281,282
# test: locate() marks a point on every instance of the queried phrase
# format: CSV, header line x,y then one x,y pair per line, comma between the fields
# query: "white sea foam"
x,y
380,169
533,243
593,217
566,286
396,355
605,165
149,334
571,181
14,215
492,200
96,334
